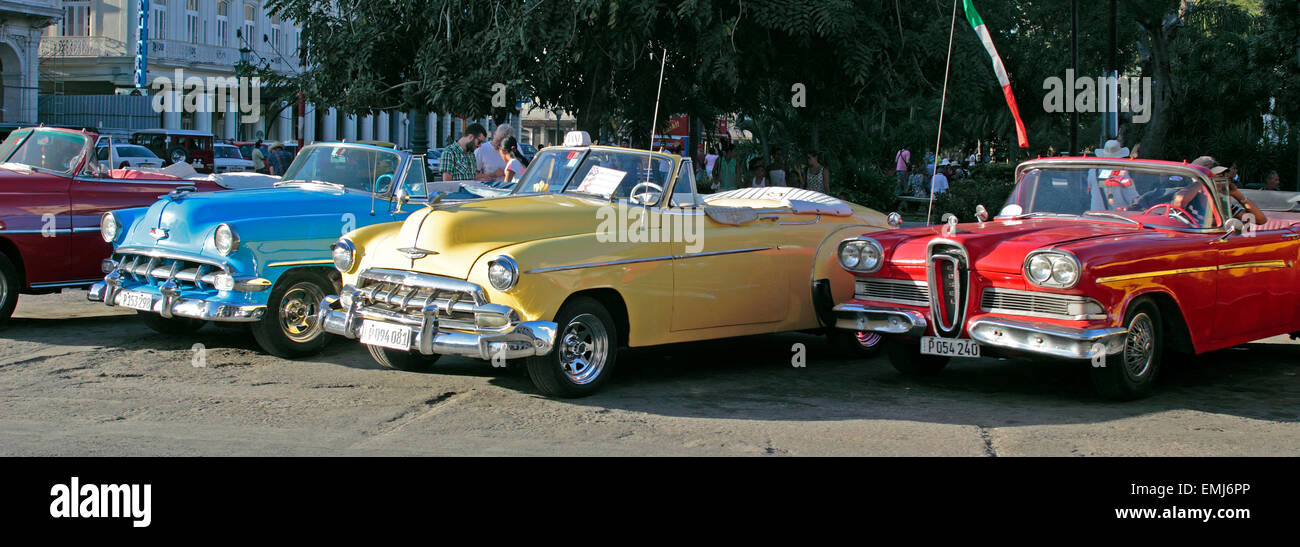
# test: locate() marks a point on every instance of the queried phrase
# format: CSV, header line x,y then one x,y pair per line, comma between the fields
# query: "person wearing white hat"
x,y
939,184
1112,149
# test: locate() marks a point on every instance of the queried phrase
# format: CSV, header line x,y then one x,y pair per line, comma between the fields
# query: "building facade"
x,y
21,27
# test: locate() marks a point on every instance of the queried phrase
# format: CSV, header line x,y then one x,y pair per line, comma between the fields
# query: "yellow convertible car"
x,y
597,248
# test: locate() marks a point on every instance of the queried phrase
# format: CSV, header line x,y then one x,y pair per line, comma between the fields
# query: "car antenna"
x,y
663,59
372,193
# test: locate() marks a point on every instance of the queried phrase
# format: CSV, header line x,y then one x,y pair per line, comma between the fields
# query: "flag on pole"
x,y
998,68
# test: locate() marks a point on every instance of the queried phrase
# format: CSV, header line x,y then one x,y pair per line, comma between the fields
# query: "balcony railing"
x,y
81,46
169,51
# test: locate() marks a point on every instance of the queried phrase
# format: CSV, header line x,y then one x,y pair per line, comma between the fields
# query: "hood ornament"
x,y
180,192
158,233
415,253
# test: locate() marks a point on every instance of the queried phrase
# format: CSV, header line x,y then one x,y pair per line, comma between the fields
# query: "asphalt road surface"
x,y
80,379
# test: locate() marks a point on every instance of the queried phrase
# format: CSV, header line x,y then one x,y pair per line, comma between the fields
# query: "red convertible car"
x,y
1109,261
53,193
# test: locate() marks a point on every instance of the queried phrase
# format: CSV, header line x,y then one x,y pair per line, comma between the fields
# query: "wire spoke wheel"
x,y
1139,345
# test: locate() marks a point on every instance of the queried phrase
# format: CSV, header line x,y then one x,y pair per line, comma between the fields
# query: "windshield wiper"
x,y
1101,214
1042,214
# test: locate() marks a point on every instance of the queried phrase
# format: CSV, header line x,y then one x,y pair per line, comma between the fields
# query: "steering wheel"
x,y
1174,211
648,197
382,183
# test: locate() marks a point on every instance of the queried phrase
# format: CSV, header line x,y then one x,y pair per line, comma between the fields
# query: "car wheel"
x,y
397,359
10,284
906,357
289,328
855,343
585,351
1131,374
174,325
178,155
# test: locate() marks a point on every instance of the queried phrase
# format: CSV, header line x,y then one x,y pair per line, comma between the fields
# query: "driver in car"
x,y
1220,178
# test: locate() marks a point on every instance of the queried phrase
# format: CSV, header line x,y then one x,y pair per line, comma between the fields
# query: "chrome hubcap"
x,y
584,349
298,312
1139,346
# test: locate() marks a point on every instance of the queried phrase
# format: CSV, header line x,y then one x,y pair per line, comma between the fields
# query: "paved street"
x,y
88,380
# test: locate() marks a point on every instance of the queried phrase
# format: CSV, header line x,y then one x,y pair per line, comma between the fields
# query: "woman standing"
x,y
818,179
516,163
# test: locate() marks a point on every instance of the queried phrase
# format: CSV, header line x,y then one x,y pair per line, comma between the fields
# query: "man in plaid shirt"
x,y
458,158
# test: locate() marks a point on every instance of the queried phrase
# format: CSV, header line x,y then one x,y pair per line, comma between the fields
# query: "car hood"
x,y
456,235
1001,246
287,220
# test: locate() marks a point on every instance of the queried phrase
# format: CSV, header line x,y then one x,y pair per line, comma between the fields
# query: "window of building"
x,y
250,26
223,23
76,18
158,20
277,36
193,30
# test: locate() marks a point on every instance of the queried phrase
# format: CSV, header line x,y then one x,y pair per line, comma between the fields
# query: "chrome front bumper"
x,y
169,304
1048,339
513,341
877,319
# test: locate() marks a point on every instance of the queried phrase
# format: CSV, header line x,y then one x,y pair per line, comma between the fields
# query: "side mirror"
x,y
981,213
401,197
894,219
1234,227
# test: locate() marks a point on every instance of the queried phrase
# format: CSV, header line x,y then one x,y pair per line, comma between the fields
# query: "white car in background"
x,y
129,155
228,159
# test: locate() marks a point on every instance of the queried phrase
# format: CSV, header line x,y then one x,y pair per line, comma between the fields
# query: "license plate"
x,y
386,335
136,300
949,347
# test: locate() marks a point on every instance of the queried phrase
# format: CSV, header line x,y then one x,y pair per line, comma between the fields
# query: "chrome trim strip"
x,y
640,260
1056,341
813,221
174,255
964,291
857,317
66,283
1144,275
82,230
401,278
299,263
1257,264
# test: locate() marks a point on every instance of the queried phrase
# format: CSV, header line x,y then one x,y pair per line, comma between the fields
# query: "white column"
x,y
402,141
431,129
285,124
350,128
368,128
308,125
172,112
231,127
382,133
203,114
329,131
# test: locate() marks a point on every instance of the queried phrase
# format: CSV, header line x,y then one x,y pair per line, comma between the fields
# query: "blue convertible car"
x,y
260,256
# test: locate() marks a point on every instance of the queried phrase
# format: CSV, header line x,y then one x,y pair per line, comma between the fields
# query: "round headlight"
x,y
1040,268
1064,271
850,256
344,254
503,273
225,239
870,257
108,227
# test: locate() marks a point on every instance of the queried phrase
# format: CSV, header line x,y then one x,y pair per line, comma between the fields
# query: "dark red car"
x,y
53,194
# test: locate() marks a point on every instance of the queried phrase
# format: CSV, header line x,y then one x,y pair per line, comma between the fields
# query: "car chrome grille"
x,y
1011,301
455,300
159,269
949,285
899,291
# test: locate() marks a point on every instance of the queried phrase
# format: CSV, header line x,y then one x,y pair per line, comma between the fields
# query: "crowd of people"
x,y
722,165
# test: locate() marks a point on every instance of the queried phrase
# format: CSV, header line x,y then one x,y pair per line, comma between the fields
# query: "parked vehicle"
x,y
52,195
259,256
435,162
228,159
544,275
528,151
1108,260
129,155
246,149
178,146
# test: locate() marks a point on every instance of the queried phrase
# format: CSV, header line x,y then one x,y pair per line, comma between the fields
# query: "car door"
x,y
1256,285
726,275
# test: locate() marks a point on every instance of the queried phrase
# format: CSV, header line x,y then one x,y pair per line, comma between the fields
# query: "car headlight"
x,y
1052,269
503,273
344,254
861,255
109,228
225,239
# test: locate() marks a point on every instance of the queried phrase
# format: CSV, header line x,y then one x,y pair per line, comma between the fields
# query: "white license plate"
x,y
136,300
949,347
386,335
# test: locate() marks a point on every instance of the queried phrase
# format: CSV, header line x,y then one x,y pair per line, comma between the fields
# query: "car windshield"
x,y
228,152
599,172
359,168
1147,196
43,149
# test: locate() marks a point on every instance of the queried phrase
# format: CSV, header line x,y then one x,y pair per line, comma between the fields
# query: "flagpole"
x,y
952,31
